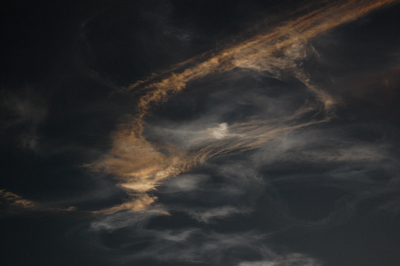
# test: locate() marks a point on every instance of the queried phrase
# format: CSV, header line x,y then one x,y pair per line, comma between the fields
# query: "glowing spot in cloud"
x,y
219,132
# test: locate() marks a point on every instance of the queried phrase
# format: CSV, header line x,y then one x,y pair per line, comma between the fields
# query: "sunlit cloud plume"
x,y
16,201
282,46
141,165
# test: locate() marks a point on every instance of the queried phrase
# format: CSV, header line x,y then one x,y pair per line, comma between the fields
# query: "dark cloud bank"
x,y
248,133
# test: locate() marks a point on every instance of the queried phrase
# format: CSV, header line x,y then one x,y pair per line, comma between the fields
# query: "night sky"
x,y
208,132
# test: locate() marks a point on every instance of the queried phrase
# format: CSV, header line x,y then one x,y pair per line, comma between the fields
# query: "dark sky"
x,y
243,133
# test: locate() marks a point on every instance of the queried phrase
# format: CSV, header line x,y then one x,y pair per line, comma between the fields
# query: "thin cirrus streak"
x,y
17,201
141,166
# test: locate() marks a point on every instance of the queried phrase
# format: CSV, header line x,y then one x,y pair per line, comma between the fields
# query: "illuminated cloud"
x,y
280,49
15,199
219,132
184,183
142,165
267,150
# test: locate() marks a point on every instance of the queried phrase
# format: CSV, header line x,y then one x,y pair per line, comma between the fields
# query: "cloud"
x,y
23,113
287,260
184,183
176,236
253,53
208,215
15,200
197,194
181,34
351,173
142,165
191,134
321,146
195,246
193,187
25,107
392,206
219,132
123,219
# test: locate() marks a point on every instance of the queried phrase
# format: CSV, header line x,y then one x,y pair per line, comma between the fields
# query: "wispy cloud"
x,y
14,202
184,183
122,220
194,246
288,260
209,215
142,165
15,199
23,113
321,146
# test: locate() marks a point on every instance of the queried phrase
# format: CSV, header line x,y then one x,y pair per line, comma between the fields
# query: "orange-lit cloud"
x,y
141,165
15,200
278,49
